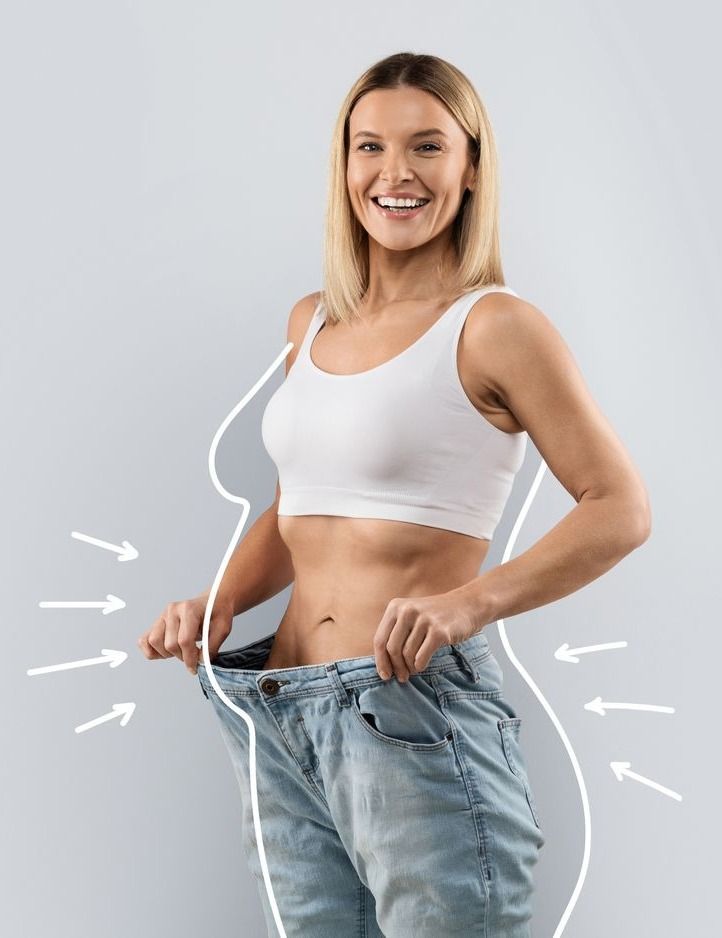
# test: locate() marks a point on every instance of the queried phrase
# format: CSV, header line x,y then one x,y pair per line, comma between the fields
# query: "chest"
x,y
348,350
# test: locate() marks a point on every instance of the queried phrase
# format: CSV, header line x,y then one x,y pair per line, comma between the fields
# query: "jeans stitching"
x,y
476,808
363,931
302,724
508,725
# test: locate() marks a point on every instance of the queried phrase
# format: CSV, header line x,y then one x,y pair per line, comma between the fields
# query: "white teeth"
x,y
401,203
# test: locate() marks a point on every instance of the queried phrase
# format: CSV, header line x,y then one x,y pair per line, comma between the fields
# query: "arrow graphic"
x,y
108,605
565,653
601,706
621,770
125,552
124,711
109,656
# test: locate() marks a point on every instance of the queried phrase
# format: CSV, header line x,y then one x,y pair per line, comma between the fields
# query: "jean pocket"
x,y
407,716
458,681
509,730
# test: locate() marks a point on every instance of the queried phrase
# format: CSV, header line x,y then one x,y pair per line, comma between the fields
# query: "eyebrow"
x,y
419,133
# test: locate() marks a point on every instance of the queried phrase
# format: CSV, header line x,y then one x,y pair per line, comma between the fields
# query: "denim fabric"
x,y
387,809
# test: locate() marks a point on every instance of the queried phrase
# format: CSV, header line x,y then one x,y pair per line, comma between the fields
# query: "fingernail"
x,y
383,675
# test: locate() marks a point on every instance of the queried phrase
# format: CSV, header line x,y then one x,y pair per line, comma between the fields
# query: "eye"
x,y
434,145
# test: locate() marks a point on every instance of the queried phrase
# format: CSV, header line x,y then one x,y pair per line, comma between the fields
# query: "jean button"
x,y
270,686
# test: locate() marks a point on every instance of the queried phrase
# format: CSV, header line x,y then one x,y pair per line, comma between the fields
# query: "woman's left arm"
x,y
535,375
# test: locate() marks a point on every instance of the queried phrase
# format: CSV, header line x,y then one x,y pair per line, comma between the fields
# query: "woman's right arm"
x,y
259,568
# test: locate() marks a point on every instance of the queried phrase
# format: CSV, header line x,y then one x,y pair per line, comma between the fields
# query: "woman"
x,y
392,788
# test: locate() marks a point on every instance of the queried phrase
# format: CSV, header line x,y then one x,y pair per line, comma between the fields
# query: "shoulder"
x,y
300,316
506,314
517,331
299,319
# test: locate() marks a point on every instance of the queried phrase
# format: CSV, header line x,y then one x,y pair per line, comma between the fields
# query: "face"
x,y
392,152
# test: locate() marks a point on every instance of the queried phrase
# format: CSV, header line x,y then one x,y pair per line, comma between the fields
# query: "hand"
x,y
411,630
175,632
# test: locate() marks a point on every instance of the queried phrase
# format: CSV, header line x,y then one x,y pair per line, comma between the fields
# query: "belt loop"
x,y
342,693
466,663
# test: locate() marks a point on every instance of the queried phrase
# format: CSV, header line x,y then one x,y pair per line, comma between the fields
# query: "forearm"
x,y
259,568
596,534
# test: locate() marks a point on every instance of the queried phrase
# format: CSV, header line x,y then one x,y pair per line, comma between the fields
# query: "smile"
x,y
398,212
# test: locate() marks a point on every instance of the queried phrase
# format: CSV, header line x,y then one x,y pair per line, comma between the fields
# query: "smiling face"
x,y
404,143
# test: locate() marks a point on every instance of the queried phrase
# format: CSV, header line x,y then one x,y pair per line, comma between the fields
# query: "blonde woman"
x,y
392,788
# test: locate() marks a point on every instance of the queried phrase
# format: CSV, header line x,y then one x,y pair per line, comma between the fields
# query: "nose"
x,y
395,169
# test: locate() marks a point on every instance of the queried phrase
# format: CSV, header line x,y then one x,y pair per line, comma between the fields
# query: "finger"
x,y
147,648
383,632
156,636
413,643
172,626
432,641
395,644
189,631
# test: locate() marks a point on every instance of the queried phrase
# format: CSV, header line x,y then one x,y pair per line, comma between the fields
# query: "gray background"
x,y
163,187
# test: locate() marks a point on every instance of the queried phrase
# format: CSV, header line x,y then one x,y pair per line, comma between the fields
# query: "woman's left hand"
x,y
412,628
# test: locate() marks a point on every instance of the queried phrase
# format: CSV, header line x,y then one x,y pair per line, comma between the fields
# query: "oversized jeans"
x,y
387,809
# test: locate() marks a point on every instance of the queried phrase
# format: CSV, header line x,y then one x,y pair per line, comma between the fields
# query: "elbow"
x,y
637,521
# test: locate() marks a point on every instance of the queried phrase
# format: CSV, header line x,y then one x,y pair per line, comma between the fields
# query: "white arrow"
x,y
565,653
124,711
109,656
110,604
125,552
621,769
601,706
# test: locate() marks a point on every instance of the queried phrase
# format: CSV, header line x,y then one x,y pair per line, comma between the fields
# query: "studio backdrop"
x,y
163,194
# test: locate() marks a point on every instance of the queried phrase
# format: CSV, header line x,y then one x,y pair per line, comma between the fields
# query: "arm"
x,y
536,377
261,566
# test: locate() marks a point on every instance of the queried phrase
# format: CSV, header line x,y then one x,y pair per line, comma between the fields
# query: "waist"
x,y
237,669
346,572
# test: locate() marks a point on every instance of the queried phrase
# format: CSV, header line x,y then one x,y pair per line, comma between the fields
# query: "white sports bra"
x,y
401,441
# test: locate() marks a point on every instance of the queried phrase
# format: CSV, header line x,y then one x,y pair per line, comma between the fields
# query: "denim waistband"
x,y
240,666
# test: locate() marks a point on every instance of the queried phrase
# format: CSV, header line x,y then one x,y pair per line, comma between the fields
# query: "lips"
x,y
398,214
375,198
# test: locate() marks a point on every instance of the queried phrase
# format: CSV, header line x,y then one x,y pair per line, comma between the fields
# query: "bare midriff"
x,y
346,572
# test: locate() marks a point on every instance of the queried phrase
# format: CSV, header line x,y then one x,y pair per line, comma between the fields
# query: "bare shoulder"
x,y
513,331
299,320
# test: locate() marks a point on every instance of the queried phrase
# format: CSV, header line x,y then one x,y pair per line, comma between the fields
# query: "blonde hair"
x,y
475,232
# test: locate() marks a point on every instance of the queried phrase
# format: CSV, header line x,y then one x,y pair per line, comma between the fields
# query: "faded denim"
x,y
387,809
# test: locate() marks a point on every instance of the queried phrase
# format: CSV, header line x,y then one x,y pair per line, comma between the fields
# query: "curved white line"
x,y
547,706
245,508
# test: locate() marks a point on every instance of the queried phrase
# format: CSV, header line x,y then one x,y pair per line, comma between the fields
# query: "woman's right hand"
x,y
175,632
